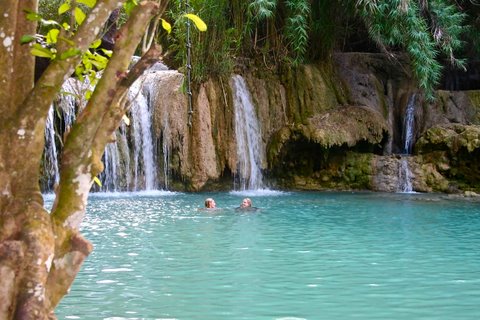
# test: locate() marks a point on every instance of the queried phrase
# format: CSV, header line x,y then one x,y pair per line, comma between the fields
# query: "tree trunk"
x,y
41,253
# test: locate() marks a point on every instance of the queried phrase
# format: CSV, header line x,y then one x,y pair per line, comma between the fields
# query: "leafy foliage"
x,y
51,32
423,31
296,29
211,51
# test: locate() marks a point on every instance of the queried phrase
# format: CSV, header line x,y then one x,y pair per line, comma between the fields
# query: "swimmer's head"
x,y
209,203
246,203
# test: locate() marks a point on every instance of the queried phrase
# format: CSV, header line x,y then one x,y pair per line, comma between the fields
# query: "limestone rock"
x,y
346,126
450,136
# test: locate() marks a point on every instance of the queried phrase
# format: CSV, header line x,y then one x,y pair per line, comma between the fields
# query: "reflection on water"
x,y
302,256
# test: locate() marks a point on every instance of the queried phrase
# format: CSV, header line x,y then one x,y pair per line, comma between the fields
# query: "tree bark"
x,y
41,253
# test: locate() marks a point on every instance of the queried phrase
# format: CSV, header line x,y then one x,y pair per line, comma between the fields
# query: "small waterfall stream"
x,y
50,163
250,153
404,172
166,146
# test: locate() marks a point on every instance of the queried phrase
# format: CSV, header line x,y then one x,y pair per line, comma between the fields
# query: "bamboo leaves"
x,y
262,9
297,26
423,31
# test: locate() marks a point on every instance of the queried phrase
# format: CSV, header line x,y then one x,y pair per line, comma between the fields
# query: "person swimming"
x,y
210,203
246,205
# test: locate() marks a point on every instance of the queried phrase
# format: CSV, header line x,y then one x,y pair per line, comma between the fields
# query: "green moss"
x,y
359,170
276,144
474,96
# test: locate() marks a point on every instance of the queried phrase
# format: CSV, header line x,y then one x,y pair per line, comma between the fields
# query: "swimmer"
x,y
210,203
246,205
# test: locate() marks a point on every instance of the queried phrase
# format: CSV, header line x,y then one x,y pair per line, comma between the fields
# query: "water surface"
x,y
301,256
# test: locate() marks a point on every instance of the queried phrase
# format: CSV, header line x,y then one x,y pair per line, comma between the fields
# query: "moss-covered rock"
x,y
346,126
451,137
453,152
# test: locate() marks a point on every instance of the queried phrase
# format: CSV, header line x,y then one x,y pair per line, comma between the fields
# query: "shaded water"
x,y
301,256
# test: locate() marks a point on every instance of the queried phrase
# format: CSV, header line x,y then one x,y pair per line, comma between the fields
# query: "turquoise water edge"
x,y
303,255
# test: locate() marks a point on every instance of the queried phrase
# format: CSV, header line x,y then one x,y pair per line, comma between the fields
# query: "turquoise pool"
x,y
301,256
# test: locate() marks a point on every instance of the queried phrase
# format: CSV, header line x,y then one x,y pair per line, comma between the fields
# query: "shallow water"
x,y
301,256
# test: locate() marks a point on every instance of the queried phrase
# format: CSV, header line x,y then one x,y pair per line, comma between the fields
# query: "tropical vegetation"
x,y
278,33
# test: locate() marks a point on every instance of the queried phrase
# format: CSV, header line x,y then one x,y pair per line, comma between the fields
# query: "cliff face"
x,y
339,125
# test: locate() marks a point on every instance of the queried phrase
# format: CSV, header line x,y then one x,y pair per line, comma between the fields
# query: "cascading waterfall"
x,y
250,153
405,175
143,156
129,162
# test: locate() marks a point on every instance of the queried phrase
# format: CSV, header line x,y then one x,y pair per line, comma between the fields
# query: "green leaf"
x,y
79,70
33,16
52,36
108,53
97,181
39,51
98,64
70,53
88,3
79,15
201,26
100,59
129,6
88,65
167,26
27,39
96,44
64,7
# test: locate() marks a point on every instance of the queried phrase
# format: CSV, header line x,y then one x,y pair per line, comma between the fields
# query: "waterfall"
x,y
250,153
129,162
166,145
408,125
405,175
111,160
50,163
61,116
143,156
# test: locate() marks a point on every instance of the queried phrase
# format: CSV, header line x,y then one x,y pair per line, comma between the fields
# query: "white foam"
x,y
258,193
